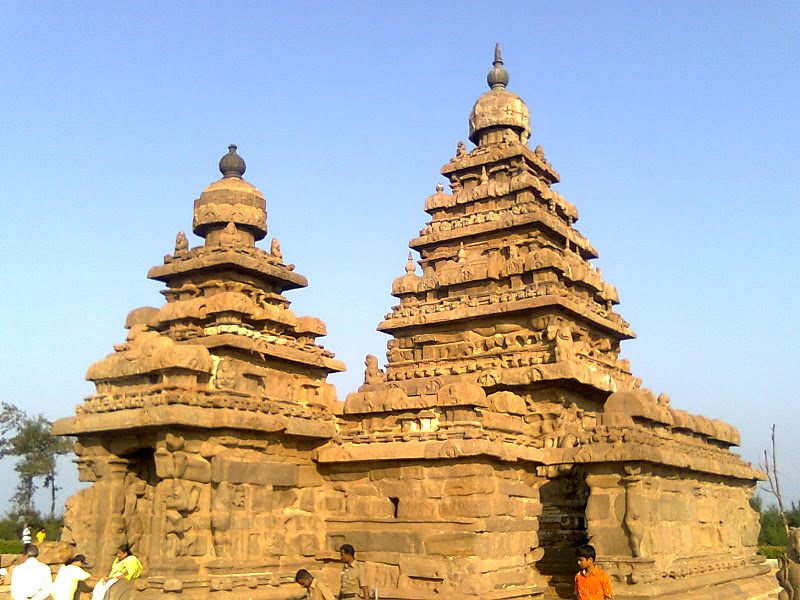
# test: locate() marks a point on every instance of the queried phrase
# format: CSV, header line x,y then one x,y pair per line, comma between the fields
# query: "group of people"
x,y
591,583
32,579
41,535
353,581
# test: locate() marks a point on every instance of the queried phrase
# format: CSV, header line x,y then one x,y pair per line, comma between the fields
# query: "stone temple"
x,y
503,431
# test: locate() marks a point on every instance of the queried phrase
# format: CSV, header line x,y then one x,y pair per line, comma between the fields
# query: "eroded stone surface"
x,y
503,430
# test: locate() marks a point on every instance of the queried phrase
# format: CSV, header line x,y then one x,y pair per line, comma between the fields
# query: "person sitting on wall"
x,y
315,590
591,583
31,580
124,568
354,580
68,576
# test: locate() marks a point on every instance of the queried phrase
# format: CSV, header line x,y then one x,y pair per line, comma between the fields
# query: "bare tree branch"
x,y
772,478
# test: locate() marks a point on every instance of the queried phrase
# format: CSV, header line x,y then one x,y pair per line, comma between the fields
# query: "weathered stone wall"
x,y
455,527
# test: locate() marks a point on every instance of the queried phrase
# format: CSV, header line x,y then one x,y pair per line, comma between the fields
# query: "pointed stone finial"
x,y
498,77
232,165
410,265
461,255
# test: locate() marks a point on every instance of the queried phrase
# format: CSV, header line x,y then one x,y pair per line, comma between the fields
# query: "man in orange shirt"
x,y
591,583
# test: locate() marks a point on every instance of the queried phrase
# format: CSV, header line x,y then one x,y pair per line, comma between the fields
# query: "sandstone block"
x,y
458,470
466,486
421,568
173,585
257,472
507,402
365,506
466,506
308,476
379,540
422,509
452,544
516,488
474,585
598,507
378,474
461,394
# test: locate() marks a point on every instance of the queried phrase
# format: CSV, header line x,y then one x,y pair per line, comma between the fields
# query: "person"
x,y
315,590
68,577
41,536
26,534
125,567
354,581
31,580
591,583
3,575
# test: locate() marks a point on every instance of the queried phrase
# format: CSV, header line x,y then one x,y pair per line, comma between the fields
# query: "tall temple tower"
x,y
503,431
515,429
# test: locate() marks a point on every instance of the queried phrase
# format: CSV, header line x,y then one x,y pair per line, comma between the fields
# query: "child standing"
x,y
591,583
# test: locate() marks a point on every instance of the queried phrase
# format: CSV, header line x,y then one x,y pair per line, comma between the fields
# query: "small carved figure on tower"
x,y
275,249
230,237
455,184
181,243
559,332
372,374
539,152
461,150
461,255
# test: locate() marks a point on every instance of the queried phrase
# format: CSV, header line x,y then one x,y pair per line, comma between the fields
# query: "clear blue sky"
x,y
674,126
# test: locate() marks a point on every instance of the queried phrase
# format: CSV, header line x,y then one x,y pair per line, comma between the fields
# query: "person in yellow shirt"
x,y
125,567
315,590
40,536
354,580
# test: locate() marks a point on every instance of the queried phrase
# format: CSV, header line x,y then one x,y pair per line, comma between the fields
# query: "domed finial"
x,y
498,77
232,165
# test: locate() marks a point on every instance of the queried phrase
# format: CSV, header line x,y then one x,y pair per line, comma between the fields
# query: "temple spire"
x,y
498,77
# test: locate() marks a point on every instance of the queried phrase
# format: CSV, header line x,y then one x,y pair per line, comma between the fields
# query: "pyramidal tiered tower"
x,y
507,296
515,429
503,431
203,420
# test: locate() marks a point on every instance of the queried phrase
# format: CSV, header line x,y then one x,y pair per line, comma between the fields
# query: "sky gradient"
x,y
674,127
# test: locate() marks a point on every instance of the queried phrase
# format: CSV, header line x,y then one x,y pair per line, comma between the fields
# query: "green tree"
x,y
31,440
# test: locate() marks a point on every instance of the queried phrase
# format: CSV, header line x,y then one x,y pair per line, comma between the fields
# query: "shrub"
x,y
10,547
772,551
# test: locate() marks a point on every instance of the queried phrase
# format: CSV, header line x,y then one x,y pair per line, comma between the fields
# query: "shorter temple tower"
x,y
199,437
